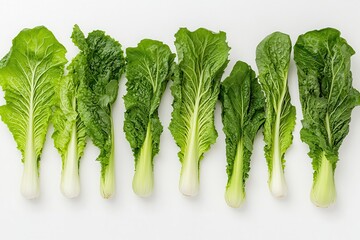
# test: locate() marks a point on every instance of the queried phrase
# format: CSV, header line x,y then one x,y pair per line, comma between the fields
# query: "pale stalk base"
x,y
189,178
70,182
234,194
143,181
323,192
277,184
30,184
107,183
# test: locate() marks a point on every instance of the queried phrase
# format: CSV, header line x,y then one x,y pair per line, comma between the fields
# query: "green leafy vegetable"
x,y
272,59
203,56
327,99
148,71
104,64
243,113
28,74
69,131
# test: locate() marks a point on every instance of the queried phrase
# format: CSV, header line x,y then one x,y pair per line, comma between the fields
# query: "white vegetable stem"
x,y
189,179
189,176
323,192
70,180
234,194
143,181
30,185
107,182
277,182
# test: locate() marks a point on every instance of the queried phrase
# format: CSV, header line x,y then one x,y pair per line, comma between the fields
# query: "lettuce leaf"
x,y
203,56
327,99
104,64
243,113
69,131
272,59
28,75
148,72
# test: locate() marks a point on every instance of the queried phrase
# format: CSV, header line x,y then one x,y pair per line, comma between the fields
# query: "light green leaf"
x,y
203,56
28,74
69,131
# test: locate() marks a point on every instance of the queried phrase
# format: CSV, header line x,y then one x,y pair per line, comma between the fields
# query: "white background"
x,y
168,214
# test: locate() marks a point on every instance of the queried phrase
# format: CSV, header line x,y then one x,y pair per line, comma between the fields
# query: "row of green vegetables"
x,y
79,101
